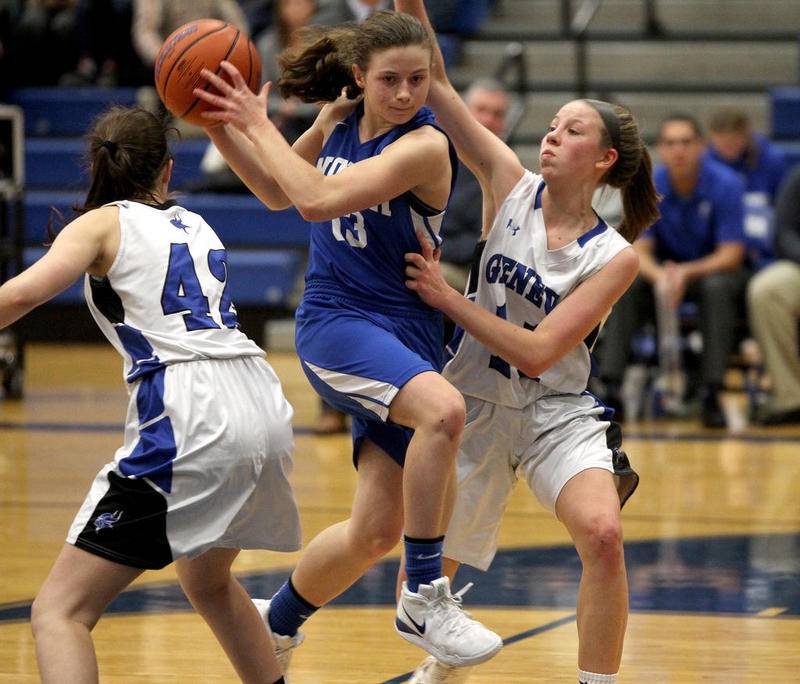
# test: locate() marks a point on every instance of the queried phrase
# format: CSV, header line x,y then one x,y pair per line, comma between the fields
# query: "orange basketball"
x,y
203,43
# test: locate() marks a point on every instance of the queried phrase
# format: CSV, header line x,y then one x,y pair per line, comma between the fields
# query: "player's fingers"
x,y
425,245
216,100
416,260
236,76
219,83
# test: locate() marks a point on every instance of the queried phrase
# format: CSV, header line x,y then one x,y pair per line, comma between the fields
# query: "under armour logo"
x,y
510,226
179,224
106,521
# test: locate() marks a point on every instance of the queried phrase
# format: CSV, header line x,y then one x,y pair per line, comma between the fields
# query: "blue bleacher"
x,y
57,163
66,111
785,113
266,249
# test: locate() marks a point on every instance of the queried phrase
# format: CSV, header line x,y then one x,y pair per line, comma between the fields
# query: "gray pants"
x,y
718,295
773,302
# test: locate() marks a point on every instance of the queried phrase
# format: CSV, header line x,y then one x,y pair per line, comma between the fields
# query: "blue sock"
x,y
423,561
288,610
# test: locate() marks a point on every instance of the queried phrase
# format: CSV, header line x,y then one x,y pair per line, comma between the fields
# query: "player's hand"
x,y
424,276
333,112
234,102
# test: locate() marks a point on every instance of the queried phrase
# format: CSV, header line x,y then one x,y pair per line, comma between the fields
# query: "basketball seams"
x,y
177,58
208,85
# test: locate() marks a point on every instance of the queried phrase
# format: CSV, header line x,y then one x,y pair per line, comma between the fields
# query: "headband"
x,y
610,120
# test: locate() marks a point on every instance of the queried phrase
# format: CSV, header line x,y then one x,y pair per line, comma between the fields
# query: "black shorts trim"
x,y
129,525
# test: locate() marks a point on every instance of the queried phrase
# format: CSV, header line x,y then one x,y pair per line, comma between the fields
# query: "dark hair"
x,y
632,173
683,118
126,152
318,71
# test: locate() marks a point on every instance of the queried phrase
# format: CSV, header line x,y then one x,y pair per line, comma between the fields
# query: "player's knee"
x,y
601,541
206,591
379,536
448,416
46,617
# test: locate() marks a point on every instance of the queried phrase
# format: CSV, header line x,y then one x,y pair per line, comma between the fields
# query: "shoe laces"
x,y
454,619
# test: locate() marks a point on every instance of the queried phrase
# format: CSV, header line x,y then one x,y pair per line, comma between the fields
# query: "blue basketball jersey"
x,y
361,256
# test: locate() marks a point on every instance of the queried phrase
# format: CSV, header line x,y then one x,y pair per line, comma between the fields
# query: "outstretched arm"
x,y
418,158
530,351
84,245
489,158
244,158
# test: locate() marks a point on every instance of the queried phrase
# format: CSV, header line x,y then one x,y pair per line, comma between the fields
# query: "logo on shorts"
x,y
105,521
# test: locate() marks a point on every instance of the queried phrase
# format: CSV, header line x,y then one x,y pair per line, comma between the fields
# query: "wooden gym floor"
x,y
712,546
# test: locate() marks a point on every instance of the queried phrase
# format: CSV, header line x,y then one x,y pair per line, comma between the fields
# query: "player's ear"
x,y
359,77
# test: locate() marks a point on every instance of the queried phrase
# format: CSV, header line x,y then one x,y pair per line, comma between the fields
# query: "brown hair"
x,y
632,173
126,152
322,67
734,120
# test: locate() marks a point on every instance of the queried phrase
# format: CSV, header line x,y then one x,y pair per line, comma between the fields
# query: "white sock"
x,y
594,678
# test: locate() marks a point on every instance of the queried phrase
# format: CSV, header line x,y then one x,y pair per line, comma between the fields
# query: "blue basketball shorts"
x,y
358,360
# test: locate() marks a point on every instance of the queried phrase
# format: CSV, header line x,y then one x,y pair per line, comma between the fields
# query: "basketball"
x,y
203,43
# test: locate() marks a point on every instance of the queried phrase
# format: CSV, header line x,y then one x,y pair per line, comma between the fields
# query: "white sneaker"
x,y
434,620
431,671
281,644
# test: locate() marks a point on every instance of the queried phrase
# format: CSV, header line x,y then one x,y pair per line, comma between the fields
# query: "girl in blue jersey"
x,y
203,471
370,181
546,274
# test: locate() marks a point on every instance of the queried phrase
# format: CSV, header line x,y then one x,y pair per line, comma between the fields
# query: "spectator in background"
x,y
44,44
289,16
773,303
291,116
694,251
340,11
489,103
760,164
106,54
154,20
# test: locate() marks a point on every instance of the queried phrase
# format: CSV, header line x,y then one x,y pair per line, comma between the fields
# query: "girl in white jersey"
x,y
547,273
208,439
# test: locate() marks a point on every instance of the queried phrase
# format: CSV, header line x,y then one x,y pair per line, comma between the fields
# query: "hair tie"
x,y
610,120
110,145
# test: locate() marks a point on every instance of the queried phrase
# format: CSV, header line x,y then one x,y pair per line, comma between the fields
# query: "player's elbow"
x,y
315,209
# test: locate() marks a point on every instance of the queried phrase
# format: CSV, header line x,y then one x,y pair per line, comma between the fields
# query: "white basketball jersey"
x,y
165,298
521,280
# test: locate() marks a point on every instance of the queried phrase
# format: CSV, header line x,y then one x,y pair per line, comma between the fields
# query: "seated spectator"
x,y
773,303
44,43
489,103
694,251
760,164
106,54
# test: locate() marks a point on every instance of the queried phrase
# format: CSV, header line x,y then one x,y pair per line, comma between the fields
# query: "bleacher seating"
x,y
266,249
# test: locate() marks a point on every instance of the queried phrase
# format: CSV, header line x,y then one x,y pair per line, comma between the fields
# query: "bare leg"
x,y
68,606
224,604
436,411
589,507
340,554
